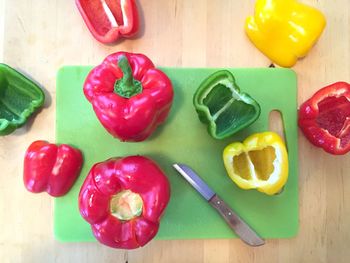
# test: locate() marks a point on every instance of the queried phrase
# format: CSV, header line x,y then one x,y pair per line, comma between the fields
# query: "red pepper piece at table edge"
x,y
129,95
123,199
325,118
107,20
51,168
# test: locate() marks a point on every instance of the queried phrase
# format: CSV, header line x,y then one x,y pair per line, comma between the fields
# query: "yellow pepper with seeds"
x,y
284,30
260,162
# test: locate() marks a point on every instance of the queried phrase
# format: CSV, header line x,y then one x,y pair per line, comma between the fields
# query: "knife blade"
x,y
242,229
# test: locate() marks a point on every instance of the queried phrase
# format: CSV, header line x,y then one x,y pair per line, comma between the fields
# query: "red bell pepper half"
x,y
129,95
123,200
107,20
325,118
51,168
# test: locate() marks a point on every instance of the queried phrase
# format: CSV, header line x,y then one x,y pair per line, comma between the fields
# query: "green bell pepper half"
x,y
220,104
19,99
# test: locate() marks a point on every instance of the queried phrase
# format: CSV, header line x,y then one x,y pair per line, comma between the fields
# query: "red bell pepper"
x,y
129,95
123,200
107,20
51,168
325,118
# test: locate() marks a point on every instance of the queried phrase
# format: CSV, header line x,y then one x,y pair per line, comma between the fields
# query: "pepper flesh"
x,y
284,30
108,20
260,162
19,99
220,104
105,181
325,118
129,95
51,168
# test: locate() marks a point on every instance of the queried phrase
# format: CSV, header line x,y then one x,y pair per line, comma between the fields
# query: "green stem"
x,y
127,86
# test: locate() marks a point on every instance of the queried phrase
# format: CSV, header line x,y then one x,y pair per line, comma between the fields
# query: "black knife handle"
x,y
235,222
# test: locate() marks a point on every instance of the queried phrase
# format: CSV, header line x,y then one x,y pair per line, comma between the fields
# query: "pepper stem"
x,y
127,86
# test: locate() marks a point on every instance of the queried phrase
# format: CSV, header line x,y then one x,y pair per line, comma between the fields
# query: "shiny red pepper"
x,y
325,118
129,95
51,168
107,20
123,200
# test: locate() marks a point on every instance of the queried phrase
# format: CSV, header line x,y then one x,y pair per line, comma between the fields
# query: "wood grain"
x,y
2,20
41,36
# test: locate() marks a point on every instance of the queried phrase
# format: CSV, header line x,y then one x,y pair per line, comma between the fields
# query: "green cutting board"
x,y
184,139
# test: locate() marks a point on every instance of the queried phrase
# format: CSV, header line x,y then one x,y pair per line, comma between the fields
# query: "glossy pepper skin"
x,y
325,118
129,95
51,168
108,20
106,180
19,99
267,171
284,30
222,106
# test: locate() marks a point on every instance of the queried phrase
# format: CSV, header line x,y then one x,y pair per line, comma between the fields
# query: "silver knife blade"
x,y
195,180
242,229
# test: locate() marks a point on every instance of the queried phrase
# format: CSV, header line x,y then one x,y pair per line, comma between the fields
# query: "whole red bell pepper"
x,y
325,118
129,95
107,20
123,200
51,168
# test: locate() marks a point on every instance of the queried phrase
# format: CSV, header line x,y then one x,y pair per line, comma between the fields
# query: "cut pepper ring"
x,y
260,162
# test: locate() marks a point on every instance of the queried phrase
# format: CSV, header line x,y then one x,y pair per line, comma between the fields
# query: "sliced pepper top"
x,y
284,30
19,99
220,104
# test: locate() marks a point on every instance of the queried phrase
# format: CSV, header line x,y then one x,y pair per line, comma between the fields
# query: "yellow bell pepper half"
x,y
284,30
260,162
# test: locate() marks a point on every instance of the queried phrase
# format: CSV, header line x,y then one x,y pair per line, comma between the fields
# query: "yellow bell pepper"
x,y
284,30
260,162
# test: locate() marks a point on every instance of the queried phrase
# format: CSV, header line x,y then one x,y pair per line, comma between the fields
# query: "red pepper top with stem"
x,y
129,95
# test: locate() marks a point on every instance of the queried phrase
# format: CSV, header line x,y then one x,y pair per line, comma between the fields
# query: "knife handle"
x,y
230,217
248,235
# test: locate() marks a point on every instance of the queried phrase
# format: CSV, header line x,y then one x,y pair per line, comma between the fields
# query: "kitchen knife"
x,y
232,219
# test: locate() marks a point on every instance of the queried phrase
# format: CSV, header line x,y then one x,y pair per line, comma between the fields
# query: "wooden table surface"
x,y
38,37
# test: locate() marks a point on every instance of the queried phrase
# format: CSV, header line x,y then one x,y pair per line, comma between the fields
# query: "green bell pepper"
x,y
220,104
19,98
